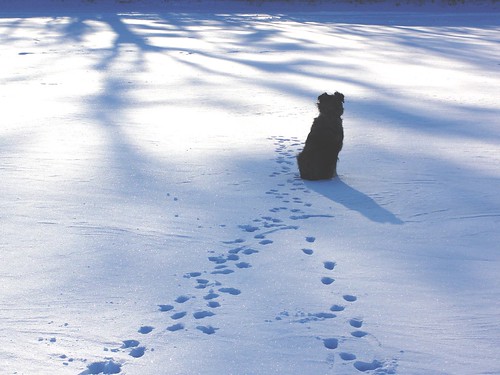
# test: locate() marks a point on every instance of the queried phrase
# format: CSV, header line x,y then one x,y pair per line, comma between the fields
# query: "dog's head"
x,y
331,105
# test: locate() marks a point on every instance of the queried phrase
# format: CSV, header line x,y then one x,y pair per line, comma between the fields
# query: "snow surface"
x,y
153,222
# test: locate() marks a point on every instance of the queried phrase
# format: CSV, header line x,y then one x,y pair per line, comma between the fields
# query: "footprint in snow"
x,y
178,315
217,259
165,308
278,209
175,327
337,308
327,280
350,298
213,304
243,265
209,330
202,314
347,356
329,265
331,343
232,291
367,366
182,299
219,267
359,334
137,352
265,242
236,250
356,323
250,251
201,283
310,239
211,295
130,344
145,330
248,228
106,367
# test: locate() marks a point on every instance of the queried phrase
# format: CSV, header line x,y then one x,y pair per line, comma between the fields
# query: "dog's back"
x,y
318,159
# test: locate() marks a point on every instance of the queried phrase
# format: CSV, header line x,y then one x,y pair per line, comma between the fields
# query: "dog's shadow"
x,y
338,191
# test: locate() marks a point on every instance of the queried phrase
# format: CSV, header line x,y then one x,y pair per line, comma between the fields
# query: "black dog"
x,y
318,159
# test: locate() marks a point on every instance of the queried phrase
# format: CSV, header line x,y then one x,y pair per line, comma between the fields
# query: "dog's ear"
x,y
339,96
322,96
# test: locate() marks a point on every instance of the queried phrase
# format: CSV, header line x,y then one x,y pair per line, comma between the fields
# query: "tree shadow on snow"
x,y
339,192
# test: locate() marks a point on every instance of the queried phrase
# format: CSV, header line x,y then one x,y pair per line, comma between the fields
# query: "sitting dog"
x,y
318,159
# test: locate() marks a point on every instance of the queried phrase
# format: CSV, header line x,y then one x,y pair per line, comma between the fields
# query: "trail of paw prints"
x,y
286,150
285,156
303,317
206,304
191,310
348,357
197,307
292,193
333,343
65,360
329,343
209,287
355,324
132,347
109,365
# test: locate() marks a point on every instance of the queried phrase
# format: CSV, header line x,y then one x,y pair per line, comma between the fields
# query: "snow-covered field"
x,y
151,216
